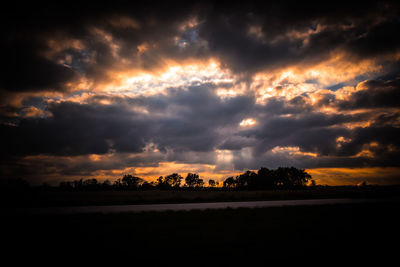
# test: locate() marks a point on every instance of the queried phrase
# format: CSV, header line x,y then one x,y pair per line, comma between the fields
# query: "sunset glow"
x,y
203,91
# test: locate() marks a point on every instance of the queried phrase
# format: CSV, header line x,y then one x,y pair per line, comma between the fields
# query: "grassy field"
x,y
249,237
74,198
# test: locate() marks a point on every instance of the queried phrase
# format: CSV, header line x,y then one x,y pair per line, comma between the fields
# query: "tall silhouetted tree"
x,y
266,179
291,177
90,184
193,180
132,182
246,180
230,182
169,181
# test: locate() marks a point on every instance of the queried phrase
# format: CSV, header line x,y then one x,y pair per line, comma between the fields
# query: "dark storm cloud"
x,y
189,122
311,132
349,28
28,28
201,115
187,125
379,39
76,129
375,94
25,70
317,132
282,106
193,120
237,142
46,47
223,31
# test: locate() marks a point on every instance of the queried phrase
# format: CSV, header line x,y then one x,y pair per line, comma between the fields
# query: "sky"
x,y
102,90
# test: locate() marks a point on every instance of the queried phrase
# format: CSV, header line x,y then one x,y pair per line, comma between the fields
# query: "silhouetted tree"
x,y
106,185
90,184
211,183
132,182
117,184
148,186
246,180
230,182
266,179
66,185
162,183
169,181
193,180
283,177
78,184
291,177
174,180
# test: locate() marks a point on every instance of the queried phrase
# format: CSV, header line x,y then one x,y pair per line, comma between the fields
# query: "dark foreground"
x,y
342,233
42,197
108,209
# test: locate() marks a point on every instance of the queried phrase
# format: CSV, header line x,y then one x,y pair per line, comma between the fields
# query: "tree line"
x,y
264,178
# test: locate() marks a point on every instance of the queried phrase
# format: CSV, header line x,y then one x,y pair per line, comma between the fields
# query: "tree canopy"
x,y
193,180
263,179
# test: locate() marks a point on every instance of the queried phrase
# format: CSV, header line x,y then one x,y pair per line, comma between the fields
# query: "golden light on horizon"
x,y
205,171
354,176
149,93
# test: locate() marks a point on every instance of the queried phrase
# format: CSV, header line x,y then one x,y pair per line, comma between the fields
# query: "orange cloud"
x,y
124,22
292,151
296,80
134,82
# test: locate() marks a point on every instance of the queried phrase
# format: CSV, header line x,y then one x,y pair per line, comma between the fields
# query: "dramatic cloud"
x,y
374,94
210,88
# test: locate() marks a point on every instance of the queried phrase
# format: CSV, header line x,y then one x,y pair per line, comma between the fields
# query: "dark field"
x,y
39,197
358,233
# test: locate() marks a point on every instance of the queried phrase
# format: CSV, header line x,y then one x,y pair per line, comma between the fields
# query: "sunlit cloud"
x,y
292,151
295,81
247,122
175,75
124,22
342,140
202,91
33,112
